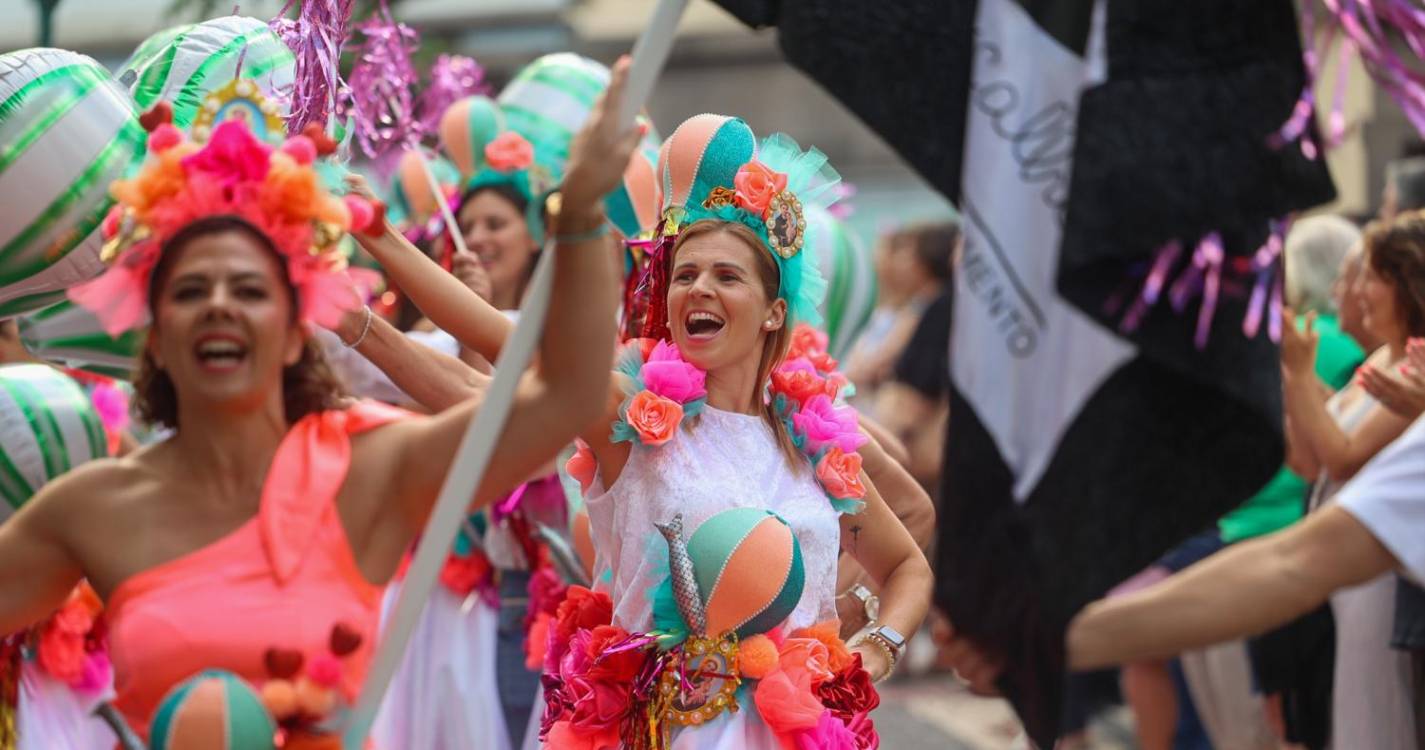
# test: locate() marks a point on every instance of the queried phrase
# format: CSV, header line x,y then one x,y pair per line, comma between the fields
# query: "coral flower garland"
x,y
804,388
662,389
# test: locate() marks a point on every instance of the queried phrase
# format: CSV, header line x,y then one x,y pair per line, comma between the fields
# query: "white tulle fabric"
x,y
445,697
51,715
723,461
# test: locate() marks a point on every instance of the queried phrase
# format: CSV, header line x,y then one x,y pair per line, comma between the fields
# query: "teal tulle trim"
x,y
668,623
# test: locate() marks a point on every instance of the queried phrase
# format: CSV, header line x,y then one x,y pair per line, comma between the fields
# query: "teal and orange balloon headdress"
x,y
712,168
474,134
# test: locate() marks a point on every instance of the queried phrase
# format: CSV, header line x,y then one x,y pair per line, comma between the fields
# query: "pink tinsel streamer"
x,y
452,78
1368,31
379,97
315,37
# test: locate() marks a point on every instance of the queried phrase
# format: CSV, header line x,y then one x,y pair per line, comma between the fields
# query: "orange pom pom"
x,y
757,657
315,700
280,698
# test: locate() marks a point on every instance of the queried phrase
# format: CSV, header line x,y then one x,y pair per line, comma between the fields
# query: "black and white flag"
x,y
1105,155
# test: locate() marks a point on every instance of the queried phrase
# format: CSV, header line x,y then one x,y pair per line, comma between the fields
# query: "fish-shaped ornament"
x,y
685,584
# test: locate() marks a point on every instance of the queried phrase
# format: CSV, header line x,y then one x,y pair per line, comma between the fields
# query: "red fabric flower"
x,y
598,704
850,692
583,609
620,667
563,735
582,466
463,574
799,381
509,152
806,340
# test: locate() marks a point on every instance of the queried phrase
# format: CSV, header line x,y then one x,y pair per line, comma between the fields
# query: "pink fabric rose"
x,y
823,423
828,734
666,374
112,405
653,417
756,185
509,152
865,731
840,474
96,675
233,155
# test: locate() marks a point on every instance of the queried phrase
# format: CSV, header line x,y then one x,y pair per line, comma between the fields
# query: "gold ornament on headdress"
x,y
239,99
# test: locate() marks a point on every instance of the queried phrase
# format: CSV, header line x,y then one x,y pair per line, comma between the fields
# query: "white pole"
x,y
445,215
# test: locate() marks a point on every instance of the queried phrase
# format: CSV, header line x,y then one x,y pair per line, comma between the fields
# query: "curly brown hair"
x,y
1396,253
309,386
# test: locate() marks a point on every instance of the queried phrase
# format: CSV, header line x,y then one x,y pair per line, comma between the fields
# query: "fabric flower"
x,y
462,574
112,405
232,155
840,474
96,674
799,381
850,692
666,374
653,417
756,185
536,643
509,152
582,465
828,734
563,735
829,633
598,704
806,656
823,362
823,424
581,609
785,705
865,731
62,653
546,591
611,666
805,340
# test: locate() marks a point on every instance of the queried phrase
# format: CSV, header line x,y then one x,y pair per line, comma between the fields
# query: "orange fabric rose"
x,y
756,186
653,417
806,340
829,633
536,644
840,474
509,152
800,385
807,656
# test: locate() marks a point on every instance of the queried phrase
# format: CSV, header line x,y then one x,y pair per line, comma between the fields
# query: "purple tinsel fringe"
x,y
379,100
315,37
452,78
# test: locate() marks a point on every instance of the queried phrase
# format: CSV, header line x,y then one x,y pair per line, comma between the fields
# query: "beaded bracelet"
x,y
365,329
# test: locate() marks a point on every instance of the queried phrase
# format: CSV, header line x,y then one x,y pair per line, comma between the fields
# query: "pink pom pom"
x,y
301,149
362,213
325,670
164,137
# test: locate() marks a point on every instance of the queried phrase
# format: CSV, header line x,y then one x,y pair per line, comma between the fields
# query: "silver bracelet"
x,y
365,329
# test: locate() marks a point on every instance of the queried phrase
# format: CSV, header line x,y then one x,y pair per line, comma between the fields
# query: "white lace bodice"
x,y
725,460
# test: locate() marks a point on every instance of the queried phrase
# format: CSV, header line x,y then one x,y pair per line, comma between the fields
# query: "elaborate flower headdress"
x,y
229,169
474,135
712,168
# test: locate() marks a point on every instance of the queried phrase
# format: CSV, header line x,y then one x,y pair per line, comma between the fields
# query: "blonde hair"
x,y
774,348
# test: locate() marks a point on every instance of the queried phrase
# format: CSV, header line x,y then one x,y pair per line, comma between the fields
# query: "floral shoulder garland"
x,y
804,392
662,390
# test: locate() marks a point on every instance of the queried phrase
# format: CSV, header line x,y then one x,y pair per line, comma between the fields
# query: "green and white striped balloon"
x,y
68,334
67,130
47,427
196,60
549,100
148,49
846,265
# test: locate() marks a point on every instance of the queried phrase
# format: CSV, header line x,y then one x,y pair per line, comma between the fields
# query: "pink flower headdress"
x,y
229,170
